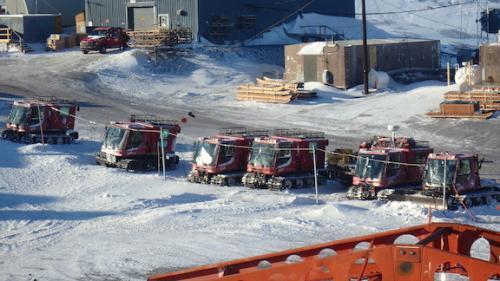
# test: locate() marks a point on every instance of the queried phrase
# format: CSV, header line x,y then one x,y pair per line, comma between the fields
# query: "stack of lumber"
x,y
56,42
272,91
296,88
487,96
481,102
159,37
248,92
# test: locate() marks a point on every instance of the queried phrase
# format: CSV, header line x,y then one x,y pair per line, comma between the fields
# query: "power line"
x,y
421,10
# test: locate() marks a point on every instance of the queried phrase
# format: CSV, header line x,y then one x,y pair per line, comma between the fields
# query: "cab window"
x,y
393,168
64,111
134,139
35,116
464,168
226,153
421,158
284,154
312,146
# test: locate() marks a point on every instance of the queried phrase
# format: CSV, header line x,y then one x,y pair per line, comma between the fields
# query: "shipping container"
x,y
340,63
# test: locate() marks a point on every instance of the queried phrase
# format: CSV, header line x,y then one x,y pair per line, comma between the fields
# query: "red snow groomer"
x,y
285,160
222,159
50,117
136,145
382,163
459,172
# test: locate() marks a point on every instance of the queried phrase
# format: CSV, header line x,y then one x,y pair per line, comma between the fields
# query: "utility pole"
x,y
365,49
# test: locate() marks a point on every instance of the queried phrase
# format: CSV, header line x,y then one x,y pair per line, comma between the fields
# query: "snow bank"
x,y
304,23
314,49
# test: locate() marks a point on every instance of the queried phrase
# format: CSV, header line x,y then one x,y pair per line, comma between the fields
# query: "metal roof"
x,y
379,41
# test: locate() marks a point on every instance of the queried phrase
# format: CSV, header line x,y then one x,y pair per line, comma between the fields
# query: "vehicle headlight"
x,y
110,158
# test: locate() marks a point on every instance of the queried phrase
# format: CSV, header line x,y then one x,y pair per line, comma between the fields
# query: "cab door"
x,y
464,179
114,38
284,158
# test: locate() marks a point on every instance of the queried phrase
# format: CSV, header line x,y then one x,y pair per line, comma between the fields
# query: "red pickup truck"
x,y
103,38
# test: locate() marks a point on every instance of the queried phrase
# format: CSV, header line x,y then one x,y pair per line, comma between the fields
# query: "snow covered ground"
x,y
64,218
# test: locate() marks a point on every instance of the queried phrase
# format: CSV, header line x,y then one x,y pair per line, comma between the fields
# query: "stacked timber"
x,y
273,91
159,37
488,96
296,88
248,92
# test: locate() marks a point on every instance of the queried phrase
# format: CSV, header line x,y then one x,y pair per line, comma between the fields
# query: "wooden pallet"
x,y
159,37
477,115
490,97
489,105
5,35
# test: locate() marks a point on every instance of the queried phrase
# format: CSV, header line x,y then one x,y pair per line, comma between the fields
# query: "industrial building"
x,y
67,9
215,20
340,63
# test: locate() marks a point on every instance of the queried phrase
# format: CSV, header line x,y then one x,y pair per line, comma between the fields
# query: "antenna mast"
x,y
365,49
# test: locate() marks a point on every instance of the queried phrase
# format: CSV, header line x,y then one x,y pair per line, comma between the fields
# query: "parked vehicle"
x,y
380,165
42,119
136,145
341,164
454,176
103,38
285,160
222,159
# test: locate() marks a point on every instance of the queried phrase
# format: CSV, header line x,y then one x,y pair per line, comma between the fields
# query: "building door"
x,y
310,69
141,18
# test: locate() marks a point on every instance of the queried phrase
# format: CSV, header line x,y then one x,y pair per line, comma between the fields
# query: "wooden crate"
x,y
56,45
459,107
70,41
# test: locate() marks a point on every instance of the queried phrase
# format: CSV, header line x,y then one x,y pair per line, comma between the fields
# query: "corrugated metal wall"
x,y
182,13
265,12
106,13
68,9
238,20
390,56
33,28
15,7
114,12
